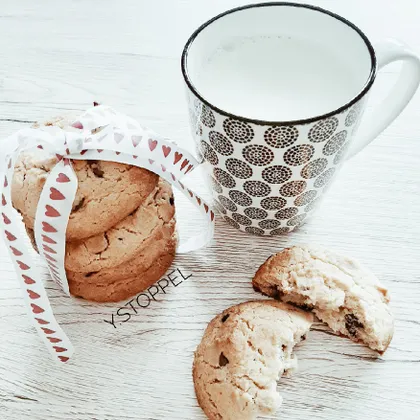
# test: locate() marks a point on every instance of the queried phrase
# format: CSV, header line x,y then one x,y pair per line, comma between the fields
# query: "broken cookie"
x,y
243,353
341,292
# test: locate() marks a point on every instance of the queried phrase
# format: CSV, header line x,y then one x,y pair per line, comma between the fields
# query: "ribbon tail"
x,y
34,293
52,217
203,238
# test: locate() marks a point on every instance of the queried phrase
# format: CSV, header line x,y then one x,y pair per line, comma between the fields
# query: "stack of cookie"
x,y
121,235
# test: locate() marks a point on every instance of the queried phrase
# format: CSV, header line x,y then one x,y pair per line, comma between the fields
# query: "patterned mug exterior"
x,y
268,177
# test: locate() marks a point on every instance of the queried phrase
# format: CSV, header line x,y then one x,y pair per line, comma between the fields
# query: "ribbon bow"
x,y
102,134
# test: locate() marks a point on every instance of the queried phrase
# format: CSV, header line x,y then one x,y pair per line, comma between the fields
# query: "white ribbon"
x,y
120,139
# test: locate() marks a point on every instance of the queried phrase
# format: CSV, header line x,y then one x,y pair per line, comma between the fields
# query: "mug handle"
x,y
387,52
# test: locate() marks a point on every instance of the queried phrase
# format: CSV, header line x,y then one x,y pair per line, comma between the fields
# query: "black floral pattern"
x,y
254,230
269,224
273,203
286,213
297,220
258,155
255,213
280,231
276,174
208,153
240,198
335,143
238,131
232,222
292,188
220,143
299,155
257,188
323,130
241,219
207,117
224,178
353,114
305,198
281,136
227,204
314,168
238,168
324,178
216,186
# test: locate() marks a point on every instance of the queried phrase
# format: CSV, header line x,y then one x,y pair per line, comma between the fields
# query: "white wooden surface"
x,y
60,56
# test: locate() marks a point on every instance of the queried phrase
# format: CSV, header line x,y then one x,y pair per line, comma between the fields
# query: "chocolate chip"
x,y
275,293
352,324
97,171
225,317
303,338
95,103
305,307
90,274
256,288
79,205
171,201
223,361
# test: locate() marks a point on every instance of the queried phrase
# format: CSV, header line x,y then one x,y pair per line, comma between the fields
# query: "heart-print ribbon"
x,y
119,139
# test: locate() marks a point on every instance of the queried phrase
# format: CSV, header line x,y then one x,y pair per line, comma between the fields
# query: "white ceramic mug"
x,y
276,92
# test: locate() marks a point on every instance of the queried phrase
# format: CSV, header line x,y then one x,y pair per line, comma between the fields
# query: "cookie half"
x,y
107,191
243,353
340,291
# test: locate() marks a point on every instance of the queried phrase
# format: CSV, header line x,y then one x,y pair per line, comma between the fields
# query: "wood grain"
x,y
60,56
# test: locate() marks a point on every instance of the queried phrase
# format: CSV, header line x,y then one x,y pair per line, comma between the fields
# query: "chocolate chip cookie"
x,y
340,291
107,191
131,277
127,258
126,239
243,353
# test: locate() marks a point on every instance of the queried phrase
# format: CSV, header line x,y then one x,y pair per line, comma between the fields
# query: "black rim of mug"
x,y
365,89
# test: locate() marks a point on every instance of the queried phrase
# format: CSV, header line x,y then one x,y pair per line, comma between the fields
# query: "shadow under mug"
x,y
268,176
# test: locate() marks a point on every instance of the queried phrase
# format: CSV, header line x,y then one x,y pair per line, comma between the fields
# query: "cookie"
x,y
243,353
160,261
162,241
341,292
125,240
107,191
